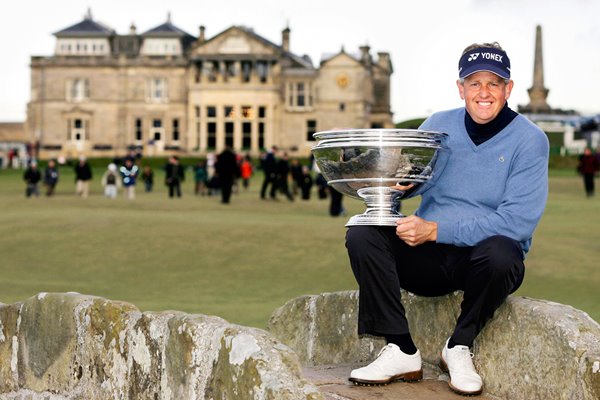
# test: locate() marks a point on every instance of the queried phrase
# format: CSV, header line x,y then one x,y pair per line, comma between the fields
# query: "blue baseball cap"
x,y
484,59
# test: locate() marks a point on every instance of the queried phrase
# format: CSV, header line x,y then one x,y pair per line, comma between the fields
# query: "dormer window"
x,y
82,47
161,47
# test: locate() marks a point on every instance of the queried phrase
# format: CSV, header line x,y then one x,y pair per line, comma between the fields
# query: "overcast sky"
x,y
424,37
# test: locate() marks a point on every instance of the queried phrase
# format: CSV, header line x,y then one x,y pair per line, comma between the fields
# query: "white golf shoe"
x,y
390,365
458,362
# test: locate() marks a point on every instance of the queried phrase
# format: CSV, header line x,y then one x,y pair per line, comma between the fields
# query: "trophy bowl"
x,y
379,166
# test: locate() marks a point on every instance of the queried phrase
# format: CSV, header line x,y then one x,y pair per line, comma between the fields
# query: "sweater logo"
x,y
501,159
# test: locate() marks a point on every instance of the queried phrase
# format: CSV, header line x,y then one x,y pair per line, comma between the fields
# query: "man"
x,y
83,176
50,177
226,170
174,175
471,231
269,167
129,173
32,177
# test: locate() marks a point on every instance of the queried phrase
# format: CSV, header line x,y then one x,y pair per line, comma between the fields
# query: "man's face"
x,y
485,94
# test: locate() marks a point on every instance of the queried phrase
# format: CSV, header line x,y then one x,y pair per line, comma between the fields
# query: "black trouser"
x,y
382,264
588,182
175,188
226,184
270,179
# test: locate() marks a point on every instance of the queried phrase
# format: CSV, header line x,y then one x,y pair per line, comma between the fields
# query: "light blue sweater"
x,y
497,188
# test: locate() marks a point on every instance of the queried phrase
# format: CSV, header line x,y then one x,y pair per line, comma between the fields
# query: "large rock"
x,y
531,349
70,346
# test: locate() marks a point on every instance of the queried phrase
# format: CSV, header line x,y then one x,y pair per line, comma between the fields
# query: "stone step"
x,y
332,381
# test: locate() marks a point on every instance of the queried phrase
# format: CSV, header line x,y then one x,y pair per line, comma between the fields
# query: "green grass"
x,y
239,261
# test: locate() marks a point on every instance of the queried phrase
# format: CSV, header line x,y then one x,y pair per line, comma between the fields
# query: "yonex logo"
x,y
488,56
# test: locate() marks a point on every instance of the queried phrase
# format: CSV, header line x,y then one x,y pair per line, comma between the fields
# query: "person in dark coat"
x,y
50,177
283,172
32,177
588,168
226,170
174,176
306,183
269,167
83,176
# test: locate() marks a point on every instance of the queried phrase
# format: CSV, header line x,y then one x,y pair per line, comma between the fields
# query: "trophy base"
x,y
374,219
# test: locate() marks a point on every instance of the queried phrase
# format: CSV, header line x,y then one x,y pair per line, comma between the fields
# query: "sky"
x,y
424,38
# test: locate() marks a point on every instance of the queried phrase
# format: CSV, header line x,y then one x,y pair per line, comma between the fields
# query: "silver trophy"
x,y
380,166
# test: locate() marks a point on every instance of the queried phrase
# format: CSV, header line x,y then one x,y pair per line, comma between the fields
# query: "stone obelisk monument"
x,y
538,93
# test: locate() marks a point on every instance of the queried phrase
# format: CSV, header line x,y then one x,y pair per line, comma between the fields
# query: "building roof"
x,y
299,61
86,28
12,132
168,30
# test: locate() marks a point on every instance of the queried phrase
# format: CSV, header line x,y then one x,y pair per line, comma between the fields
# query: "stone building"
x,y
165,91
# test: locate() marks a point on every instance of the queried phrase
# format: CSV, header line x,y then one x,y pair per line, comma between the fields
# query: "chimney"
x,y
384,61
285,39
201,36
365,57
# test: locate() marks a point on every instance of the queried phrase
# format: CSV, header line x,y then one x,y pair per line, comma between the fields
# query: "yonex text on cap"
x,y
484,59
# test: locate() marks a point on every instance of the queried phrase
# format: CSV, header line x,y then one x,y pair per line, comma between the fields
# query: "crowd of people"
x,y
219,174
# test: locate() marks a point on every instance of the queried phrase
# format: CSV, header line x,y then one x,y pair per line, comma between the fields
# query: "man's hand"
x,y
415,231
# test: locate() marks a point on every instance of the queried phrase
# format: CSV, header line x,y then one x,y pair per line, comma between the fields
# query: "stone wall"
x,y
70,346
531,349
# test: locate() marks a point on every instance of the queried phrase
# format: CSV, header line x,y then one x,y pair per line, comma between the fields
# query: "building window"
x,y
299,95
211,112
342,107
261,135
138,130
157,129
262,69
158,90
262,112
229,129
246,71
212,70
229,112
175,130
247,112
78,129
211,129
311,127
229,70
246,135
78,90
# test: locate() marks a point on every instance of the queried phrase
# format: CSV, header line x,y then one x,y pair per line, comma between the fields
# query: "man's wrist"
x,y
434,230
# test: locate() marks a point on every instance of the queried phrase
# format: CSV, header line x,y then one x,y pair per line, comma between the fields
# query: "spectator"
x,y
174,175
83,176
32,177
129,173
246,171
111,181
200,178
148,178
283,172
226,170
50,177
588,167
269,167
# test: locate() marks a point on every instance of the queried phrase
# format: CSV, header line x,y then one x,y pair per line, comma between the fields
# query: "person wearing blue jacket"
x,y
471,231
